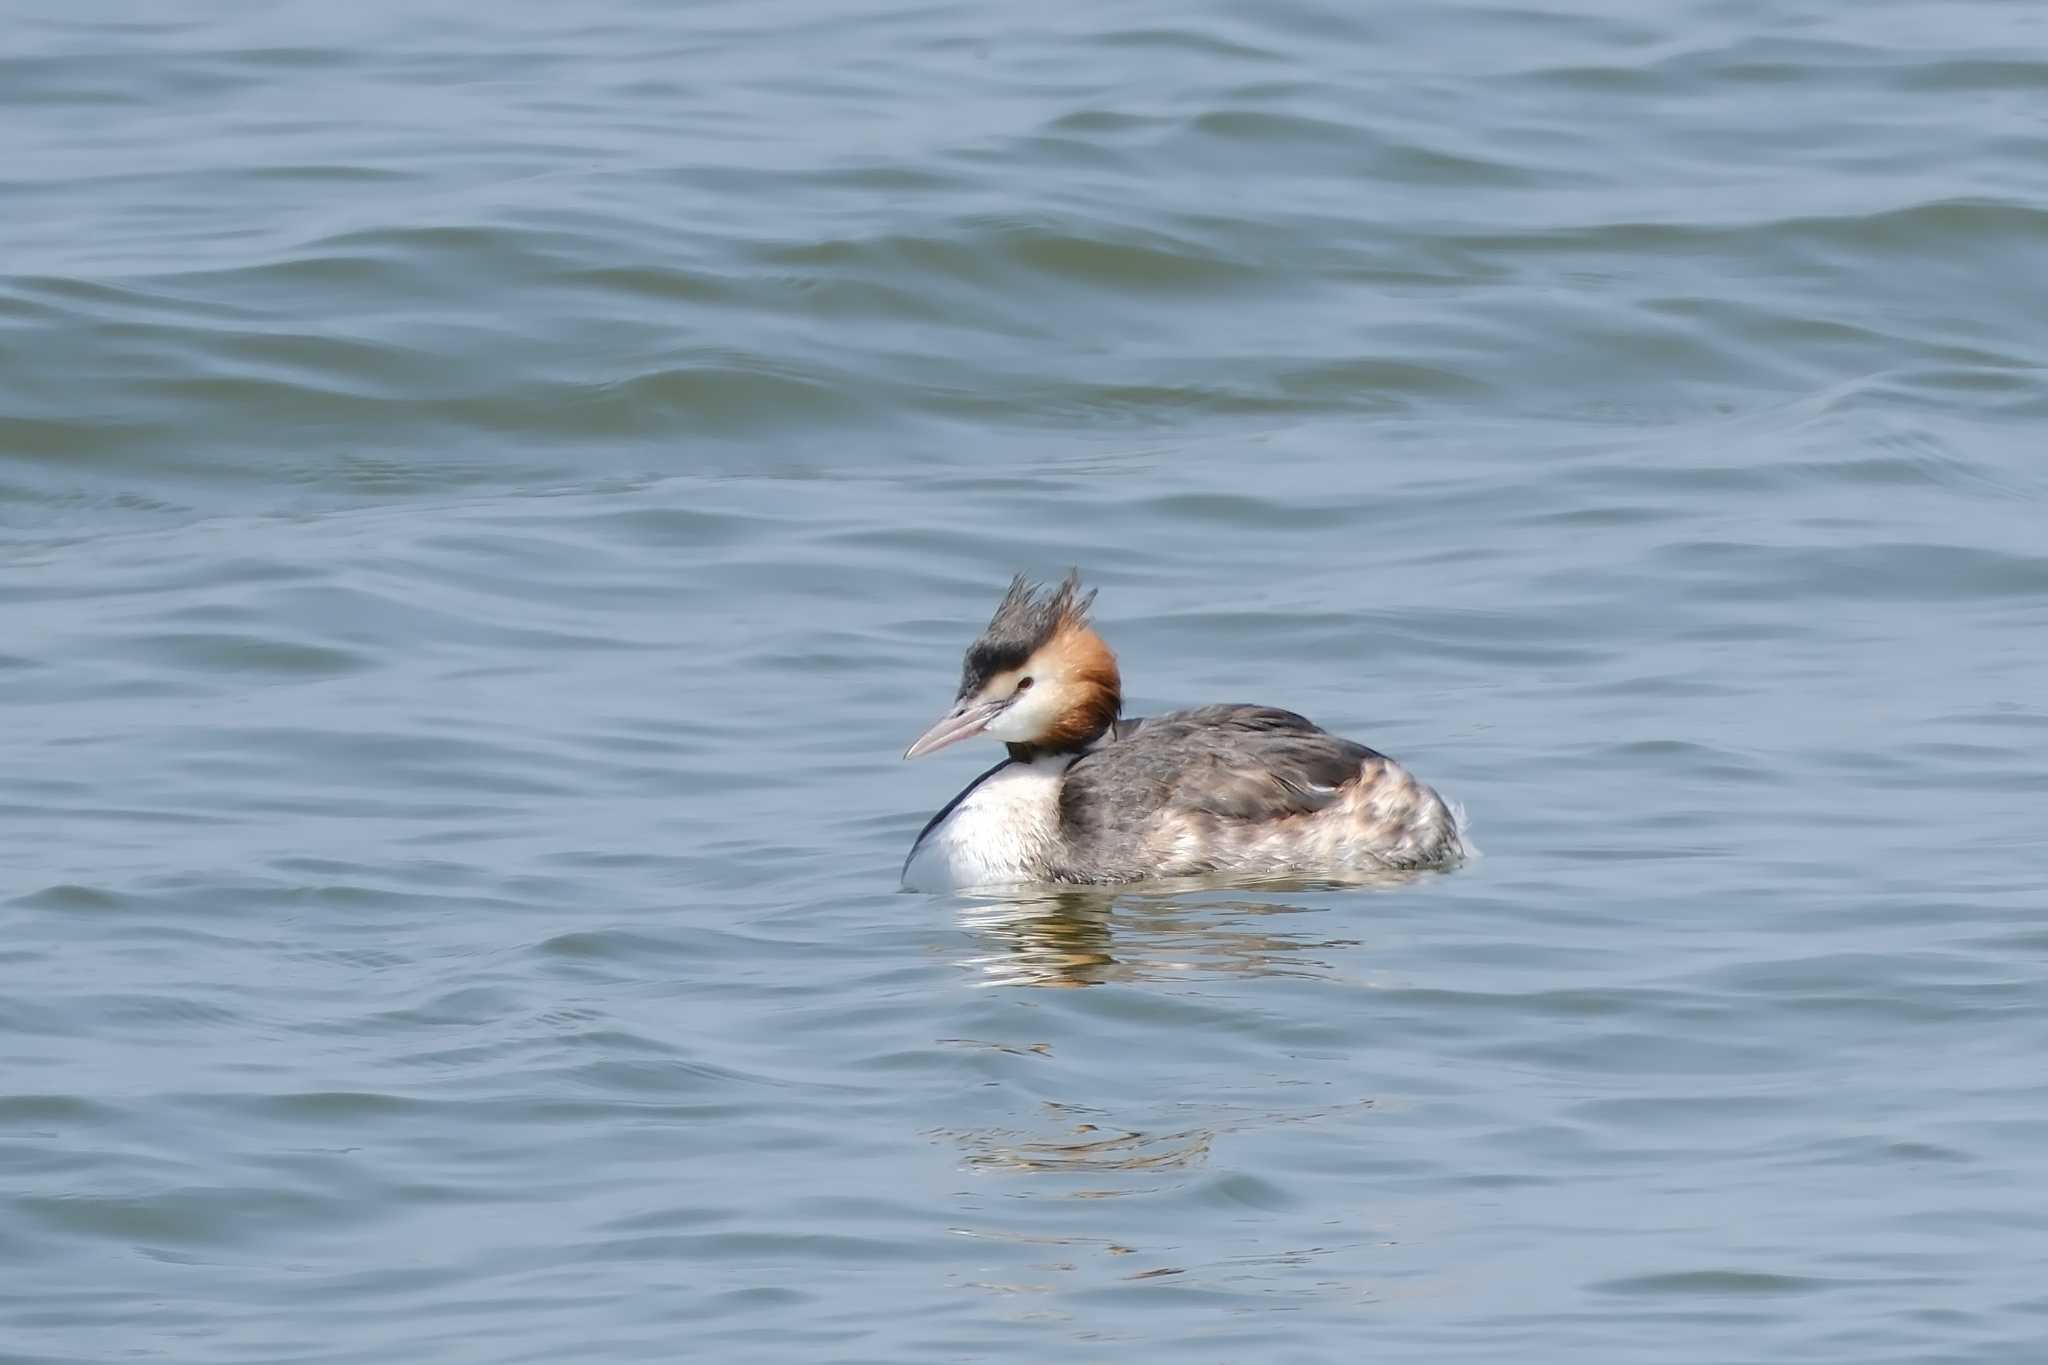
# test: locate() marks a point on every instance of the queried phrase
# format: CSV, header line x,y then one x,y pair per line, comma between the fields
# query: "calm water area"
x,y
488,492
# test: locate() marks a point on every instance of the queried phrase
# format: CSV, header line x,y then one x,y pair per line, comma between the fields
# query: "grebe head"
x,y
1039,678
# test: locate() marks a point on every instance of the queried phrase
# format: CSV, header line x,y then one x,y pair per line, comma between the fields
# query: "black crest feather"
x,y
1027,617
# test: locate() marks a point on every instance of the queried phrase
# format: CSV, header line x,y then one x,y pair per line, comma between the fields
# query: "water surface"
x,y
485,498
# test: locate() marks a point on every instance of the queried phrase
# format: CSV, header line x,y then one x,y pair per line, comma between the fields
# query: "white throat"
x,y
1024,720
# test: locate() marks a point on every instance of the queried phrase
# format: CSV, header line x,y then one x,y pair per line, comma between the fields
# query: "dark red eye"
x,y
1023,684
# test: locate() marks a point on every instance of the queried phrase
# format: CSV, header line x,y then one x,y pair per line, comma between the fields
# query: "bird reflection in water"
x,y
1045,936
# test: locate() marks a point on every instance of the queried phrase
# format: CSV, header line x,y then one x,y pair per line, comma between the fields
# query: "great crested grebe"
x,y
1086,797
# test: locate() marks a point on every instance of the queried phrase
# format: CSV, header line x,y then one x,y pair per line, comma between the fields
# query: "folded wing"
x,y
1232,762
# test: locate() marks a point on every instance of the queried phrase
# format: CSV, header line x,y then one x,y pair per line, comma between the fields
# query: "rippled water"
x,y
486,493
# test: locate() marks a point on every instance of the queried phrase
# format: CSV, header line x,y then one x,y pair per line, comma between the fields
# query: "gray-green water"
x,y
487,492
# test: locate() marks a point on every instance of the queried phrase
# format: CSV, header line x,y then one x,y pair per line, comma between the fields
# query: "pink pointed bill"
x,y
964,721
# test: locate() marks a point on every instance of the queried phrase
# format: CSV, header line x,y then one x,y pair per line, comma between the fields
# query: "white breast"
x,y
1002,832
